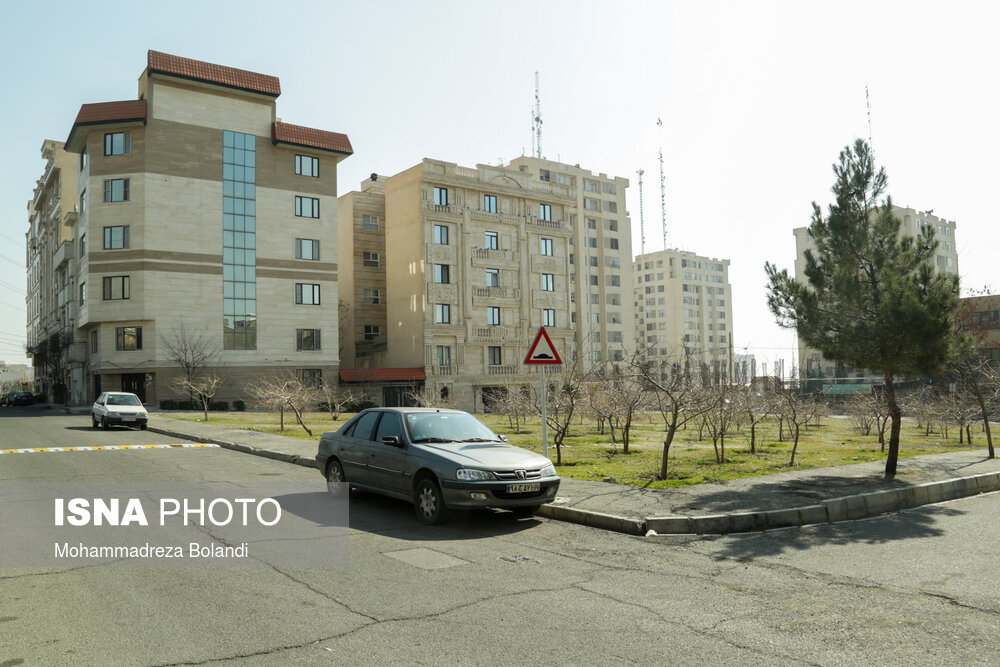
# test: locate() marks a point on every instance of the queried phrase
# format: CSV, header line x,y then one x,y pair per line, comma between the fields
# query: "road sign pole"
x,y
545,430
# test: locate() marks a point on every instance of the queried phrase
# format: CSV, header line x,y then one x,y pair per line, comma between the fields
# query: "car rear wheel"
x,y
336,482
428,503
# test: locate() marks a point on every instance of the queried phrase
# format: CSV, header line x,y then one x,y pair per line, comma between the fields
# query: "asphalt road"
x,y
915,588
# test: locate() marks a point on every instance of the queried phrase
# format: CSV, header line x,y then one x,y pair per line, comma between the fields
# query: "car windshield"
x,y
115,399
448,427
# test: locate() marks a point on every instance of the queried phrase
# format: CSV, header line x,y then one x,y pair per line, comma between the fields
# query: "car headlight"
x,y
469,475
549,471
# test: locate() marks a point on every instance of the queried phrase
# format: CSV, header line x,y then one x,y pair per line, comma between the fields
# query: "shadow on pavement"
x,y
907,525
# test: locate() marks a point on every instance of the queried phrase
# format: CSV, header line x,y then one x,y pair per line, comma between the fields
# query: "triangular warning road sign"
x,y
542,350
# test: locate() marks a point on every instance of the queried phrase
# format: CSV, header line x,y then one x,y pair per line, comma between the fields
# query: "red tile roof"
x,y
106,113
185,68
381,374
312,138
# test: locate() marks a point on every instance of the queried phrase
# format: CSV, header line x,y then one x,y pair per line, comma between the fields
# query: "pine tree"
x,y
871,300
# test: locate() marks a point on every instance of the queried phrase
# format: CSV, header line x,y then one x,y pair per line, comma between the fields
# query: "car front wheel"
x,y
104,423
427,502
93,421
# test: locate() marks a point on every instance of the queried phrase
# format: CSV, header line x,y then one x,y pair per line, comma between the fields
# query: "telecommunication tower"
x,y
536,122
663,187
642,226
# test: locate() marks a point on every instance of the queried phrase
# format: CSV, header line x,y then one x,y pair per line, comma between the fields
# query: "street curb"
x,y
305,461
847,508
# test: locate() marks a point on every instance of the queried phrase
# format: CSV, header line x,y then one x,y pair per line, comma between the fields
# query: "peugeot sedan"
x,y
440,460
118,407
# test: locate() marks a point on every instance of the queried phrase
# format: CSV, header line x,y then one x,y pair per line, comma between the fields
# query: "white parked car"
x,y
118,407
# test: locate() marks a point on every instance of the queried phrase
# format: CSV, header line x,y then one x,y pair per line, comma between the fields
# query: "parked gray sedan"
x,y
438,459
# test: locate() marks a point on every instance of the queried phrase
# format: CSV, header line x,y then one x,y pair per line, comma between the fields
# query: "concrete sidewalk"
x,y
795,498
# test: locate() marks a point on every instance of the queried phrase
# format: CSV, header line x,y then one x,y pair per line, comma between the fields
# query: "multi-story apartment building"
x,y
199,213
684,310
456,268
979,317
51,280
812,366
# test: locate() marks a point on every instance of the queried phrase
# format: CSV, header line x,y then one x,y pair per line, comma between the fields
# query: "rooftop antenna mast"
x,y
642,226
868,103
663,187
536,121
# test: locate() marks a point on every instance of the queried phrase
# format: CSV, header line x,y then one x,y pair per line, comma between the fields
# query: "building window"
x,y
116,238
441,234
493,316
494,355
614,243
590,204
306,165
369,259
116,189
116,288
442,313
370,222
310,377
83,293
306,249
440,196
117,143
544,175
239,241
593,280
93,342
548,317
84,158
372,331
492,241
490,203
442,273
307,339
591,223
444,355
83,246
547,247
307,294
372,296
548,282
545,212
493,277
83,201
128,338
589,186
306,207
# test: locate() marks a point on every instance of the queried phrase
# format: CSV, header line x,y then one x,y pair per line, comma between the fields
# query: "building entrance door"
x,y
135,383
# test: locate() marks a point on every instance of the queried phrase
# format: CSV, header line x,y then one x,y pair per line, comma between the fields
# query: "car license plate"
x,y
524,488
128,419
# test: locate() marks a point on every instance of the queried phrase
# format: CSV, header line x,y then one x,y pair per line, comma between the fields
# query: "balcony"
x,y
495,296
444,370
502,370
63,254
494,258
490,334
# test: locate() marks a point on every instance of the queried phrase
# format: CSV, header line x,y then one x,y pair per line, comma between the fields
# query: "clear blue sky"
x,y
757,99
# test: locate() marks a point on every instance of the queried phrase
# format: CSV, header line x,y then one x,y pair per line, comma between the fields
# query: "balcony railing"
x,y
502,370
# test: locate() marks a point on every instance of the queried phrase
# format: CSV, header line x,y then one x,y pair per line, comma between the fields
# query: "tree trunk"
x,y
986,423
795,446
667,441
894,412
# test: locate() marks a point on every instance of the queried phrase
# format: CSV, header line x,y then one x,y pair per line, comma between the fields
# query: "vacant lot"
x,y
589,454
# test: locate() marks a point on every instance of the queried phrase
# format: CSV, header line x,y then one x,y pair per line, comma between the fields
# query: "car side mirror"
x,y
392,440
503,438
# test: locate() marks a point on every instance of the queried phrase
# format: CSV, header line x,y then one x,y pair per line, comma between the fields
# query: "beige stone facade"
x,y
684,305
475,261
811,364
202,211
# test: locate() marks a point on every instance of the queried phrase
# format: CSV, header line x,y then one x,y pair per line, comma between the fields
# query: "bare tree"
x,y
283,391
425,397
565,395
193,351
205,386
718,419
677,395
755,404
797,409
335,398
